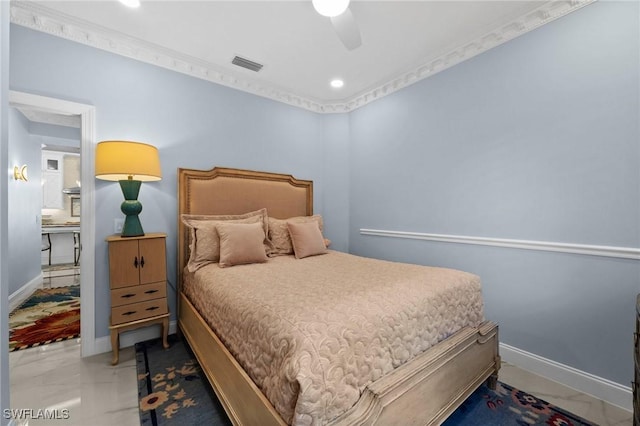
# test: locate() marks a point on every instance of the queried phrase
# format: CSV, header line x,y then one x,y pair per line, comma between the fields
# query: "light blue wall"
x,y
536,139
4,165
336,135
194,124
61,135
25,204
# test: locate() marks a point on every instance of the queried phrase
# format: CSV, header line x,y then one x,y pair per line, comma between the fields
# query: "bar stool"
x,y
76,247
46,245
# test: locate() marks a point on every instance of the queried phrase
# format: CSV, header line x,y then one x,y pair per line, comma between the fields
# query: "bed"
x,y
416,387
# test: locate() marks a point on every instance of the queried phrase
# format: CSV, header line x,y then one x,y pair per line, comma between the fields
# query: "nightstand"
x,y
138,282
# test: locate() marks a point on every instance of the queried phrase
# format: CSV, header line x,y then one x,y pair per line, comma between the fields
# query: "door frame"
x,y
87,204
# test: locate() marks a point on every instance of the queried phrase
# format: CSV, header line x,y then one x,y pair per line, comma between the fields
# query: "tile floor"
x,y
60,275
583,405
96,393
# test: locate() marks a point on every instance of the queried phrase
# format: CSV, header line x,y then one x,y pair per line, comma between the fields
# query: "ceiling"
x,y
38,115
402,41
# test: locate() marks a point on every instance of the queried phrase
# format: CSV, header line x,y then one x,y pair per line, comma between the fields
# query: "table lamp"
x,y
129,163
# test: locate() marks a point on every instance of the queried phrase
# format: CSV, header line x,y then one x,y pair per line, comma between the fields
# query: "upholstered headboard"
x,y
234,191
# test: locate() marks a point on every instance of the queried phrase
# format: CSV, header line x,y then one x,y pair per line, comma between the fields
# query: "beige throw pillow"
x,y
204,247
306,238
241,243
279,233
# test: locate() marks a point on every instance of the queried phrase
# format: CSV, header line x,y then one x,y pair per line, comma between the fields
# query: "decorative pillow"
x,y
241,243
306,238
279,234
204,247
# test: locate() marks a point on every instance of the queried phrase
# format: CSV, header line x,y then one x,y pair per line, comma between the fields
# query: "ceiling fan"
x,y
342,19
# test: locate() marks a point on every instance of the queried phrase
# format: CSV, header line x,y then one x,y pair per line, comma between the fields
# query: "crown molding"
x,y
41,18
547,12
44,19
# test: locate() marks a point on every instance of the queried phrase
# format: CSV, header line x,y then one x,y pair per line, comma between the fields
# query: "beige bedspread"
x,y
312,333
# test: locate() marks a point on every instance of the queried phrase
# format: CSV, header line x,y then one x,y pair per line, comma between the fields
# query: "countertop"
x,y
52,228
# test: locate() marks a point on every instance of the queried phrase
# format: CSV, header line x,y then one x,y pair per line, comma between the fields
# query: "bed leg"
x,y
492,381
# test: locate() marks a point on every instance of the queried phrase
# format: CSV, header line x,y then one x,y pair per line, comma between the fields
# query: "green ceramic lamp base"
x,y
131,207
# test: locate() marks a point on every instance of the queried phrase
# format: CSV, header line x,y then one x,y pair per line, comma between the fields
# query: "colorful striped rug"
x,y
48,315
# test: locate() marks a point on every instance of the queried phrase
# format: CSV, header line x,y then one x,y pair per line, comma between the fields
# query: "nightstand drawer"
x,y
137,311
138,293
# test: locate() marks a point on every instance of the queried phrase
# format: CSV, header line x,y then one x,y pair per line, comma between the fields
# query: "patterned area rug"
x,y
49,315
173,390
509,406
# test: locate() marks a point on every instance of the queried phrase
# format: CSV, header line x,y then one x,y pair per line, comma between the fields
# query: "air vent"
x,y
245,63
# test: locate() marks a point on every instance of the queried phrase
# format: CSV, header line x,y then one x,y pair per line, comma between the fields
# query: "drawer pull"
x,y
129,313
151,291
153,308
126,296
135,262
142,261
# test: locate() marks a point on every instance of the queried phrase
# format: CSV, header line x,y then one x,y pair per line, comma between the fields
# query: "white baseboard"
x,y
606,390
130,338
17,297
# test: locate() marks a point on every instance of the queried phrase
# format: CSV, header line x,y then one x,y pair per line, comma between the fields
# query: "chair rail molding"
x,y
583,249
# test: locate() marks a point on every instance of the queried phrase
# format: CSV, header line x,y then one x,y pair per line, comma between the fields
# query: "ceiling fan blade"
x,y
347,29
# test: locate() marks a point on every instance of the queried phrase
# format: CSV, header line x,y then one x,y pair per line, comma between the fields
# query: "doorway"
x,y
61,240
44,283
86,260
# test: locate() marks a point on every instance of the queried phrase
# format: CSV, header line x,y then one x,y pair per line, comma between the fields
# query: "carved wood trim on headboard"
x,y
235,191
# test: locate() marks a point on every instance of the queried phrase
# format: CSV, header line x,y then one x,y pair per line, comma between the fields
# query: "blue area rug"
x,y
173,390
509,406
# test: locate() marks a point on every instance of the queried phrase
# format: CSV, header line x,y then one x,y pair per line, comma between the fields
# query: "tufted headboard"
x,y
235,191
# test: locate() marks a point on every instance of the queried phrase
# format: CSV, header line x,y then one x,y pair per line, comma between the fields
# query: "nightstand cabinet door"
x,y
153,262
124,263
135,261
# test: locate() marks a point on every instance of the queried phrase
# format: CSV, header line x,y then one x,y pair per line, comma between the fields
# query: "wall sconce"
x,y
20,173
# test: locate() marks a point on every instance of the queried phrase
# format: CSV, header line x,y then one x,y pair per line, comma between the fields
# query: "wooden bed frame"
x,y
425,390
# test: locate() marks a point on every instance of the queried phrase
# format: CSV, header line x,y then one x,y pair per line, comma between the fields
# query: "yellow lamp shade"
x,y
122,160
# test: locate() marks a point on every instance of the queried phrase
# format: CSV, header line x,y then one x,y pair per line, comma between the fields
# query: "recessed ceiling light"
x,y
330,8
131,3
336,83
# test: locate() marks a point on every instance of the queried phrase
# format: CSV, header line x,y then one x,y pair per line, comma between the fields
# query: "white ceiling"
x,y
38,115
402,41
